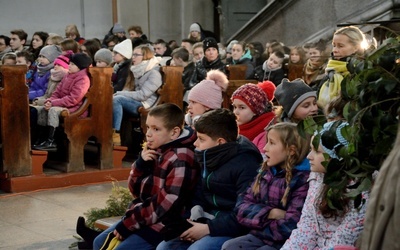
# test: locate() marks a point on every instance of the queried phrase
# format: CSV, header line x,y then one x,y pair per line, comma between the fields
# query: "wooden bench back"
x,y
171,91
237,78
236,72
98,124
14,124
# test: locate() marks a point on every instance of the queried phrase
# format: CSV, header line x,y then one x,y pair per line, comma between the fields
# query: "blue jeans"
x,y
123,104
134,241
207,242
248,242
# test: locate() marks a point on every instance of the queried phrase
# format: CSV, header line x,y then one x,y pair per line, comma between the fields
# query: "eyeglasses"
x,y
136,55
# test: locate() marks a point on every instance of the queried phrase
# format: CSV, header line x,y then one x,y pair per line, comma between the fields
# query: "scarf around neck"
x,y
256,126
212,158
140,69
42,70
57,75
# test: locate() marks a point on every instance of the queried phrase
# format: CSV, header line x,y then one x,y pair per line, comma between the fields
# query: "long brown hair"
x,y
290,138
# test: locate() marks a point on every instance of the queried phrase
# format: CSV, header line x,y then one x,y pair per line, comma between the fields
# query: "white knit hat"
x,y
124,48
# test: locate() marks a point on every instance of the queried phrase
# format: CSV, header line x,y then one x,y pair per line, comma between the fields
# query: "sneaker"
x,y
49,145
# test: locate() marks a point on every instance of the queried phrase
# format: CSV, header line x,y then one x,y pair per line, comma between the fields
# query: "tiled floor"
x,y
47,219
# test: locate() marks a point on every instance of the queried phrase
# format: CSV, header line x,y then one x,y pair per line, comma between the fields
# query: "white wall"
x,y
167,19
92,17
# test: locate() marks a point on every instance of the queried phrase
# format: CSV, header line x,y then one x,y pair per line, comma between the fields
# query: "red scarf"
x,y
256,126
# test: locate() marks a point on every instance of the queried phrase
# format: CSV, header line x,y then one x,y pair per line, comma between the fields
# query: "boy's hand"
x,y
196,232
276,214
149,154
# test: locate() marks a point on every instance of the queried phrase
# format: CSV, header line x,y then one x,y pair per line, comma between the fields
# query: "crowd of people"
x,y
207,177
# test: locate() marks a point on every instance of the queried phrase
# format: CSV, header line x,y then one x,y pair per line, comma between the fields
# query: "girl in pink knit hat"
x,y
253,111
206,95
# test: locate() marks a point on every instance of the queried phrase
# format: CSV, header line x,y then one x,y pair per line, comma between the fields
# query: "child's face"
x,y
306,108
314,55
101,64
196,108
316,157
211,54
21,60
158,135
274,62
198,54
83,49
275,150
243,112
43,60
204,142
342,46
73,68
133,34
237,51
294,56
58,67
118,58
9,61
36,42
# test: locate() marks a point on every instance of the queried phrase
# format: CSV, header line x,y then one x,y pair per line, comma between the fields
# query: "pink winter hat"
x,y
63,60
209,91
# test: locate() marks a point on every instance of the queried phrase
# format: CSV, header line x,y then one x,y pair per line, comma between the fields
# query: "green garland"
x,y
372,96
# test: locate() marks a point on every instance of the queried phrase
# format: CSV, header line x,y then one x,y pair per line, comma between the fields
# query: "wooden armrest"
x,y
105,223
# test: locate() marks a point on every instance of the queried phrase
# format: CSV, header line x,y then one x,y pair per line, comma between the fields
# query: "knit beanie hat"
x,y
230,45
253,96
63,60
332,138
290,94
103,55
209,91
118,28
194,27
269,89
124,48
51,52
81,60
210,42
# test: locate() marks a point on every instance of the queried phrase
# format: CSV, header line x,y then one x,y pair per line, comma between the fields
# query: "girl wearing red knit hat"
x,y
254,112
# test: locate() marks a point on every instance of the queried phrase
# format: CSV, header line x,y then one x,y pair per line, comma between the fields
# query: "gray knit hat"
x,y
118,28
103,55
51,52
290,94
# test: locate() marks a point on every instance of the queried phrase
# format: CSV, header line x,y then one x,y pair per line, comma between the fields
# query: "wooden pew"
x,y
171,91
98,124
14,124
236,76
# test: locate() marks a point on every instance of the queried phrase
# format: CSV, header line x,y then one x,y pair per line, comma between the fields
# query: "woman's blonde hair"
x,y
146,51
355,35
291,139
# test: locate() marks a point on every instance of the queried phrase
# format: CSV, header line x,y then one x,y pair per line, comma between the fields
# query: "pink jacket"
x,y
71,91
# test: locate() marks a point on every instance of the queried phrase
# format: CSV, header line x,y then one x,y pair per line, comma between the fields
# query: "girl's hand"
x,y
276,214
196,232
47,105
149,154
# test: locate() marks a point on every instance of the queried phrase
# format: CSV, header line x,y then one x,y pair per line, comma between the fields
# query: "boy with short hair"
x,y
229,164
161,179
27,58
272,69
18,40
